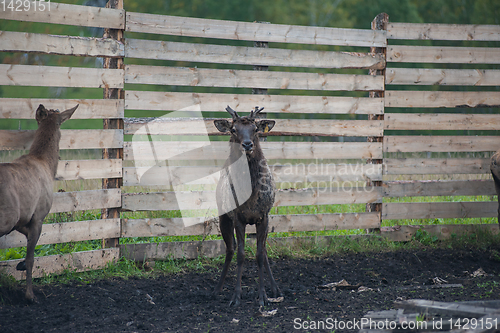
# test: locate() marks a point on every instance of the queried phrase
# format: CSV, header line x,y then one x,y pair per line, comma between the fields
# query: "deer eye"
x,y
232,130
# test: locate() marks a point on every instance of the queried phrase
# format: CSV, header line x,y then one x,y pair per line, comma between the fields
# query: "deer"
x,y
244,196
26,186
495,172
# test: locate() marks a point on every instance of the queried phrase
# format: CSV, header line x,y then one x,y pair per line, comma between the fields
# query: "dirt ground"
x,y
183,303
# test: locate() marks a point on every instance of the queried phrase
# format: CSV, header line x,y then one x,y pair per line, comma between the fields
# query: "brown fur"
x,y
495,172
255,210
26,186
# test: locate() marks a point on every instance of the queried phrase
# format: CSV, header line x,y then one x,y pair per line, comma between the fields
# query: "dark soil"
x,y
183,303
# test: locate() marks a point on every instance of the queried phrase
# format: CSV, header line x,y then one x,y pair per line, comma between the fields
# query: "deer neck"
x,y
45,145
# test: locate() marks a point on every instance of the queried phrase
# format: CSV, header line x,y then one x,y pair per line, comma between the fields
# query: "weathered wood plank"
x,y
443,54
53,76
277,223
65,45
60,13
155,100
85,200
57,264
205,126
426,166
25,108
441,121
437,143
167,176
439,99
206,77
404,233
216,150
439,188
70,139
433,210
89,169
434,31
205,200
427,76
239,55
55,233
445,308
251,31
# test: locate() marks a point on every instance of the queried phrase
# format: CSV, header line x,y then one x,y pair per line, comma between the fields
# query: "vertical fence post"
x,y
379,23
113,93
261,91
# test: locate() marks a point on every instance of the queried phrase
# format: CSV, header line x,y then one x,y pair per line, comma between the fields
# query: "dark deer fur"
x,y
26,186
234,215
495,172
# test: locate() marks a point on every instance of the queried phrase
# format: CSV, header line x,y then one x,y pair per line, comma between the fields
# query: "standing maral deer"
x,y
245,195
495,172
26,186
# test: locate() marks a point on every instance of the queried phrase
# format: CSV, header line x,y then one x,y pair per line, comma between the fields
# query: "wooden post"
x,y
113,153
379,23
261,91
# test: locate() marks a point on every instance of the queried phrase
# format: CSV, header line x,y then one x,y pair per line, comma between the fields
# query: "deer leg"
x,y
240,237
262,260
227,231
32,233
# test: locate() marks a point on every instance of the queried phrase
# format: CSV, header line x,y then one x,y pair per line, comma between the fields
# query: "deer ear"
x,y
65,115
223,125
265,125
41,113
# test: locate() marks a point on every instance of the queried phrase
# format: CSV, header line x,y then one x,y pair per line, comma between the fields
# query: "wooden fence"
x,y
342,141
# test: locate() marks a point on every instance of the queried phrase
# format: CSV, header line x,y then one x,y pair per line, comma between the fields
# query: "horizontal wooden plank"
x,y
428,76
86,200
435,31
439,188
437,143
434,210
171,101
443,54
89,169
239,55
290,174
441,121
431,166
57,264
277,223
70,139
251,31
53,76
25,108
439,99
206,77
217,150
65,45
205,126
404,233
205,200
55,233
60,13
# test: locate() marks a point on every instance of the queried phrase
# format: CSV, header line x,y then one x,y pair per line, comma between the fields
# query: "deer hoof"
x,y
21,266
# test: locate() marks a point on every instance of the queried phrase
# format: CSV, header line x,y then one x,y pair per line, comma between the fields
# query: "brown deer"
x,y
495,172
245,195
26,186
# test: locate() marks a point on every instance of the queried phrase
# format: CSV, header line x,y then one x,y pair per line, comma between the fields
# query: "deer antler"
x,y
255,112
232,113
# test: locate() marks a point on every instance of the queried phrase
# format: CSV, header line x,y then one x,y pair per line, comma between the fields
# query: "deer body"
x,y
495,172
26,186
245,195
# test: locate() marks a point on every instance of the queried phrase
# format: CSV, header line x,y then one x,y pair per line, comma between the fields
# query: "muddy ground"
x,y
183,303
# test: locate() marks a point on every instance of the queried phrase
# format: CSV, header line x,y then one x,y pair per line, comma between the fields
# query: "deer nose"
x,y
247,145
